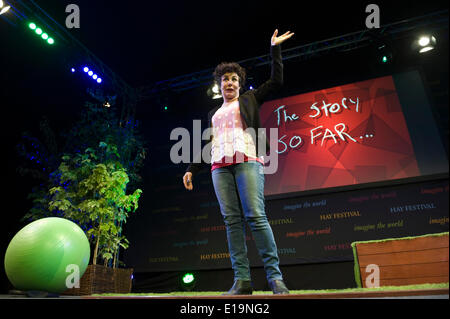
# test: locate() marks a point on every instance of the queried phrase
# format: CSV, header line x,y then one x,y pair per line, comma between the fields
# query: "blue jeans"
x,y
240,191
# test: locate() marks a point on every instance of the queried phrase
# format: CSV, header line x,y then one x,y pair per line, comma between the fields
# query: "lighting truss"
x,y
131,96
347,42
27,10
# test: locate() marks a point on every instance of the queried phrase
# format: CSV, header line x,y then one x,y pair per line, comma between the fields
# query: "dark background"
x,y
145,42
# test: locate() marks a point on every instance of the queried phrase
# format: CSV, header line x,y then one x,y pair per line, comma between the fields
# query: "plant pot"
x,y
99,279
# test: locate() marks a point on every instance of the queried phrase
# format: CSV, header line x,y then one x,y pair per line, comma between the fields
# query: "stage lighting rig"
x,y
39,31
93,75
3,9
385,54
214,92
383,47
28,14
424,43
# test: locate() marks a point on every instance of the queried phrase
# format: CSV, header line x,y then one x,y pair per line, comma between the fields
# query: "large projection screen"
x,y
376,130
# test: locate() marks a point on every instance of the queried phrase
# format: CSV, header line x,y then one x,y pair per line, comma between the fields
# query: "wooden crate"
x,y
99,279
404,261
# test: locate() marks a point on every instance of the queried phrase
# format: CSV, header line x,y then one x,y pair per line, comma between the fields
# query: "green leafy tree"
x,y
97,148
96,198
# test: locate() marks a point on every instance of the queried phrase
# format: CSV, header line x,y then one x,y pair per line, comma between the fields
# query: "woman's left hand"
x,y
277,40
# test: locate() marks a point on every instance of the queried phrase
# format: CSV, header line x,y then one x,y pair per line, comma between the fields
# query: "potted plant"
x,y
86,180
92,193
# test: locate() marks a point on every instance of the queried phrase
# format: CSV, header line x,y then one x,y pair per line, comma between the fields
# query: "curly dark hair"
x,y
229,67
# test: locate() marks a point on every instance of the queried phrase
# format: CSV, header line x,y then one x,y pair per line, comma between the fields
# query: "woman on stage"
x,y
237,169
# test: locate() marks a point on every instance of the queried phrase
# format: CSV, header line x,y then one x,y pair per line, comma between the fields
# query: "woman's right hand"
x,y
276,40
187,181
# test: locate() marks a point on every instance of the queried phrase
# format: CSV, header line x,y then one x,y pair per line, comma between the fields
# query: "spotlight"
x,y
2,8
39,31
214,91
386,58
424,43
215,88
384,54
188,278
426,49
188,281
93,75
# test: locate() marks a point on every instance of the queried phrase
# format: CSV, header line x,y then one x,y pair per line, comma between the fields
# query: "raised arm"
x,y
276,75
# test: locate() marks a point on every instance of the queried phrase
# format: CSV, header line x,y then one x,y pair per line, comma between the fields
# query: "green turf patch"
x,y
299,292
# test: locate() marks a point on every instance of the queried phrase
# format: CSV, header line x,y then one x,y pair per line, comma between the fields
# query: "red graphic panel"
x,y
345,135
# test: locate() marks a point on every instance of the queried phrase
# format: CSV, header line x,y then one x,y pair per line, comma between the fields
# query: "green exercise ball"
x,y
45,254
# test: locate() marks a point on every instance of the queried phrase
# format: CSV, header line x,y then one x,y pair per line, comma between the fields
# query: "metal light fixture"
x,y
214,91
39,31
385,54
3,9
93,75
424,43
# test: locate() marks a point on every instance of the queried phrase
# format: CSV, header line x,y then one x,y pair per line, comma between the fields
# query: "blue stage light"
x,y
93,75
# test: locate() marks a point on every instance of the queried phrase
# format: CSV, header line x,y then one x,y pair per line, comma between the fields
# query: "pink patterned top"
x,y
231,144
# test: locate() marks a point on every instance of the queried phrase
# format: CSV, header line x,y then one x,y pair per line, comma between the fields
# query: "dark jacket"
x,y
249,104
